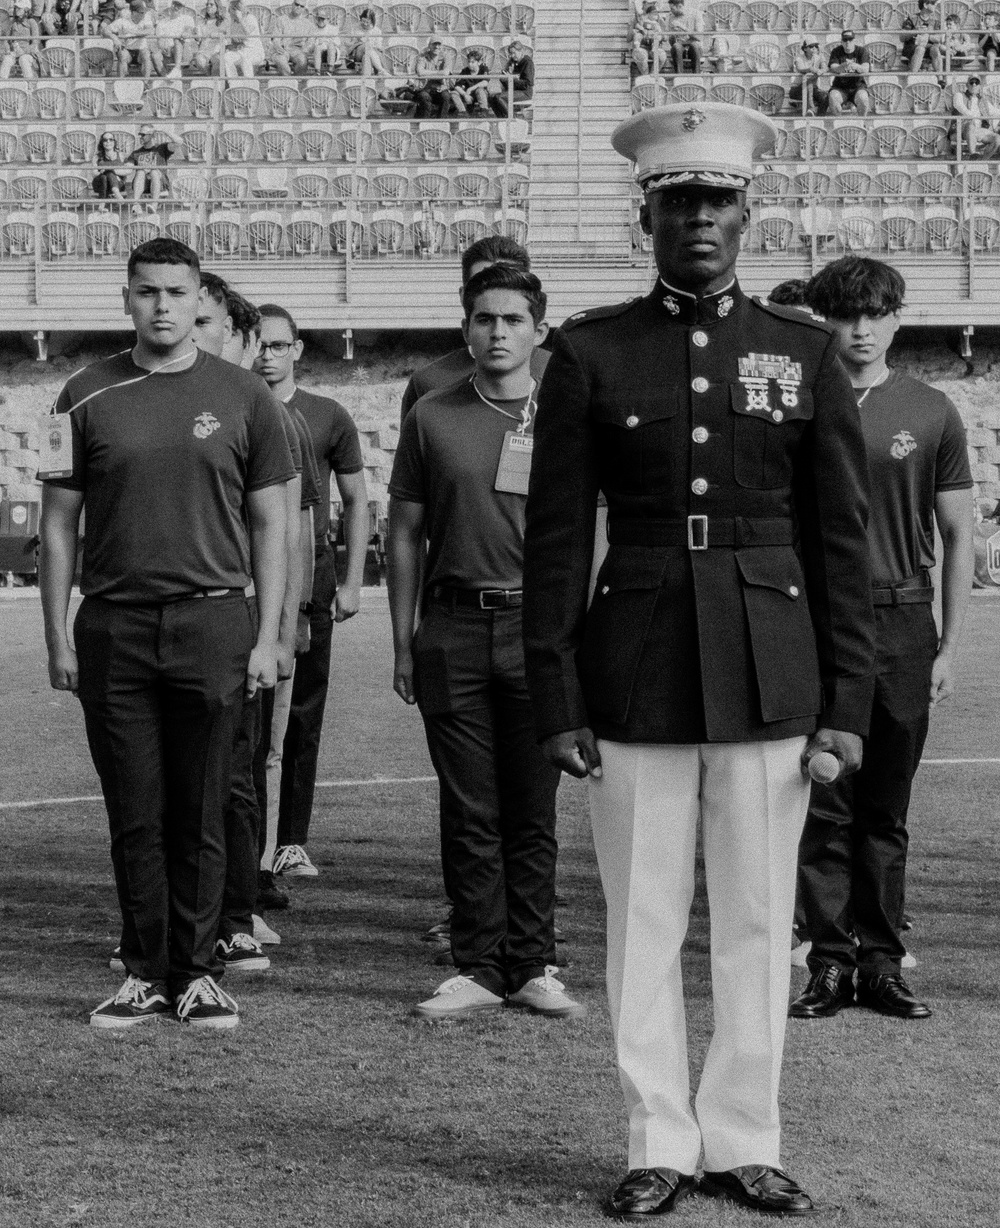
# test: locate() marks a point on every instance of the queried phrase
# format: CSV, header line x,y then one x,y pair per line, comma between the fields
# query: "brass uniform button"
x,y
699,486
699,434
700,384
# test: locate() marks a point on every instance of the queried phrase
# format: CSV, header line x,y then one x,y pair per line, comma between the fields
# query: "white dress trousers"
x,y
751,799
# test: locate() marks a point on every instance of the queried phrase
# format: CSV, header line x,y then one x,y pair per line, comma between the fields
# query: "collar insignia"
x,y
726,304
671,305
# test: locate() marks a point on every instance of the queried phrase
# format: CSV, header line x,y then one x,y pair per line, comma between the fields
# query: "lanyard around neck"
x,y
524,417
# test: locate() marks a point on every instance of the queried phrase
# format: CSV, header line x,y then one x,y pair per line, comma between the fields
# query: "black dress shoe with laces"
x,y
649,1191
760,1188
830,989
889,994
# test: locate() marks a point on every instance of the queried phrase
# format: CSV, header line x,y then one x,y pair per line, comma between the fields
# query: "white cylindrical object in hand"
x,y
824,768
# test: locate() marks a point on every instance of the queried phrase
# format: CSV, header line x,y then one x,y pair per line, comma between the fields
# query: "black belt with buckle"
x,y
700,532
199,593
477,598
916,590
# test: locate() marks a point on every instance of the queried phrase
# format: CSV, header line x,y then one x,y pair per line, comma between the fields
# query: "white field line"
x,y
375,780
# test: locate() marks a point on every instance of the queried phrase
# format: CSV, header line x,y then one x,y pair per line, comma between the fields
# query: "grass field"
x,y
329,1106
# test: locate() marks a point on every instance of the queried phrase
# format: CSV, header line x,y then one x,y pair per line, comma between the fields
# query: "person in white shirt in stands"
x,y
292,42
683,27
213,35
175,29
366,55
19,43
134,36
244,53
647,39
326,47
978,134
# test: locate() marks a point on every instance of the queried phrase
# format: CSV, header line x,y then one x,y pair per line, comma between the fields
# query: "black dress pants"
x,y
243,853
498,793
161,688
300,749
852,855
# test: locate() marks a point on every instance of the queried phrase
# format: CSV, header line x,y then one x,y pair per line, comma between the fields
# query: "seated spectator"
x,y
724,55
978,133
433,97
244,53
327,47
150,162
959,49
989,43
103,13
471,86
292,41
109,181
849,66
175,32
211,37
521,67
647,40
808,64
61,17
925,41
19,42
134,36
365,56
683,28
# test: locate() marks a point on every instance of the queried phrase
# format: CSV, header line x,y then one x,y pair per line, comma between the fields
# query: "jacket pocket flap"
x,y
772,567
630,567
629,406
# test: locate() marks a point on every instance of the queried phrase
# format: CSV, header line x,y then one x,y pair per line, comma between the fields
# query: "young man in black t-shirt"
x,y
849,65
179,461
852,856
456,539
292,752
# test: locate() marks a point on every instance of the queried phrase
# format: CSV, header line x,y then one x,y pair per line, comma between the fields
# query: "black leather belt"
x,y
917,590
199,593
700,532
476,598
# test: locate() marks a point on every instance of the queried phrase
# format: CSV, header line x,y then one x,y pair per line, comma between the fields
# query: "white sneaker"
x,y
800,954
546,996
262,932
458,998
242,954
203,1004
292,861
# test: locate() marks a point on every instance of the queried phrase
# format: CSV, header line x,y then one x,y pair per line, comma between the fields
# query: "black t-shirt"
x,y
916,447
151,156
840,56
455,365
165,463
335,445
447,459
311,493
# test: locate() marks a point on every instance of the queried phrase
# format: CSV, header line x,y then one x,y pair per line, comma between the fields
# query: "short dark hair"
x,y
503,277
856,286
271,311
163,251
790,293
244,315
494,249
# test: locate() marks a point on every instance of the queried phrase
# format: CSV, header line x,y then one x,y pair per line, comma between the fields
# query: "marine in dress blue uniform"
x,y
729,638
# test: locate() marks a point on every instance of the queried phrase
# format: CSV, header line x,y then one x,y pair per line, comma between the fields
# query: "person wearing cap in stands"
x,y
849,64
19,42
730,637
808,64
978,132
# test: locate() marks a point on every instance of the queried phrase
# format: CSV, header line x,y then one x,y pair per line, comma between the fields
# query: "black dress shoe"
x,y
760,1188
649,1191
889,994
269,895
830,989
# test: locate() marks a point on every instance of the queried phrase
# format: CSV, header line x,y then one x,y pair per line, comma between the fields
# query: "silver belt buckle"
x,y
697,532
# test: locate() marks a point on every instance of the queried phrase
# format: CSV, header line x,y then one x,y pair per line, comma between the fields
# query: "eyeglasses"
x,y
278,348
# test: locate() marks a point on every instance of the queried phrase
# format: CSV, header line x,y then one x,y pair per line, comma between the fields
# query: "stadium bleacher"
x,y
330,188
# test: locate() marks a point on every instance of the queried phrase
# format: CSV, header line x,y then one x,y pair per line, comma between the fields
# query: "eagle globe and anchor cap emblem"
x,y
205,424
693,119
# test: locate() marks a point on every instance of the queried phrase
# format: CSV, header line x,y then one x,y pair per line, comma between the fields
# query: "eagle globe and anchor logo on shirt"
x,y
205,424
902,445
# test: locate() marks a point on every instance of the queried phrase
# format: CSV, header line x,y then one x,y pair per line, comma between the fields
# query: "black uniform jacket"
x,y
734,604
